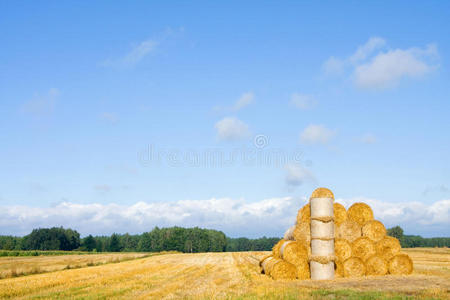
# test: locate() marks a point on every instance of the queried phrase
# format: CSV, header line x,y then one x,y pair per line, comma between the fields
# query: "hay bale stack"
x,y
376,265
338,269
387,247
303,214
289,234
302,234
374,230
340,213
363,247
263,264
348,230
342,249
303,269
322,234
293,252
354,267
360,213
400,264
281,269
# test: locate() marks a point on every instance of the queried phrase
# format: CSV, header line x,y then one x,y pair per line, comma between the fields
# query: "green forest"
x,y
188,240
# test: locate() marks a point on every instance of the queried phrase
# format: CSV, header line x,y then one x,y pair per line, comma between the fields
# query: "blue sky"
x,y
352,96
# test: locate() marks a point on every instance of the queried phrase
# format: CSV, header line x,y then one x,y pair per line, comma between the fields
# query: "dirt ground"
x,y
225,275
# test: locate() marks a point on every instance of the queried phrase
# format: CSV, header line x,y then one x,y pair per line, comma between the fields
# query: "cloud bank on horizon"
x,y
235,217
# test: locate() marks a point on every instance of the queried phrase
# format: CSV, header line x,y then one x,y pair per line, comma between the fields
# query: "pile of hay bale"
x,y
334,242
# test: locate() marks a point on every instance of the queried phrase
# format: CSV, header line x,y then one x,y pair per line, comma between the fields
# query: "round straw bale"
x,y
303,269
338,269
360,212
321,230
363,247
276,249
374,230
340,213
293,252
283,270
322,193
354,267
387,247
304,214
376,265
289,234
348,230
263,263
302,233
400,264
342,249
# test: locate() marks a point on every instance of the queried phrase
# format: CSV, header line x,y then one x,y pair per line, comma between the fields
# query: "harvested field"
x,y
225,275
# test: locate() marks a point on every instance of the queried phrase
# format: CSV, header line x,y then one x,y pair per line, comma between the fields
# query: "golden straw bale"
x,y
360,212
374,230
342,249
289,234
338,269
354,267
400,264
263,259
303,269
363,247
387,247
340,213
263,263
302,233
283,270
293,252
322,259
348,230
276,249
304,214
376,265
322,193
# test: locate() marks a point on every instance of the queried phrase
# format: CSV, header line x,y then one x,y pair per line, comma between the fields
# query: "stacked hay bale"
x,y
328,239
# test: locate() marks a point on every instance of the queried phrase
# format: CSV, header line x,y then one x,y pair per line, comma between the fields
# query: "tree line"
x,y
188,240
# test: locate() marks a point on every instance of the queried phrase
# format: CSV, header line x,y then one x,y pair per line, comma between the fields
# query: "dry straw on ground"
x,y
304,214
400,264
348,230
340,213
387,247
376,265
360,212
343,249
363,247
354,267
374,230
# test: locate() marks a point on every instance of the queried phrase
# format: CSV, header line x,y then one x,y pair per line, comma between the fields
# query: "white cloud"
x,y
388,68
135,55
244,100
303,102
109,117
368,138
372,66
231,128
368,48
236,217
316,134
296,175
41,105
412,214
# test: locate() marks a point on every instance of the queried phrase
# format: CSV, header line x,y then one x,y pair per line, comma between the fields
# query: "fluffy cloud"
x,y
135,55
231,128
411,215
303,102
296,175
372,66
244,100
316,134
41,105
236,217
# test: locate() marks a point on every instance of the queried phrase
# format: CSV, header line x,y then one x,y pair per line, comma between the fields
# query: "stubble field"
x,y
224,276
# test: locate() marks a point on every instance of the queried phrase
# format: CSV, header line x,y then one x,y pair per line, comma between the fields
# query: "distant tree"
x,y
396,232
89,243
114,244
